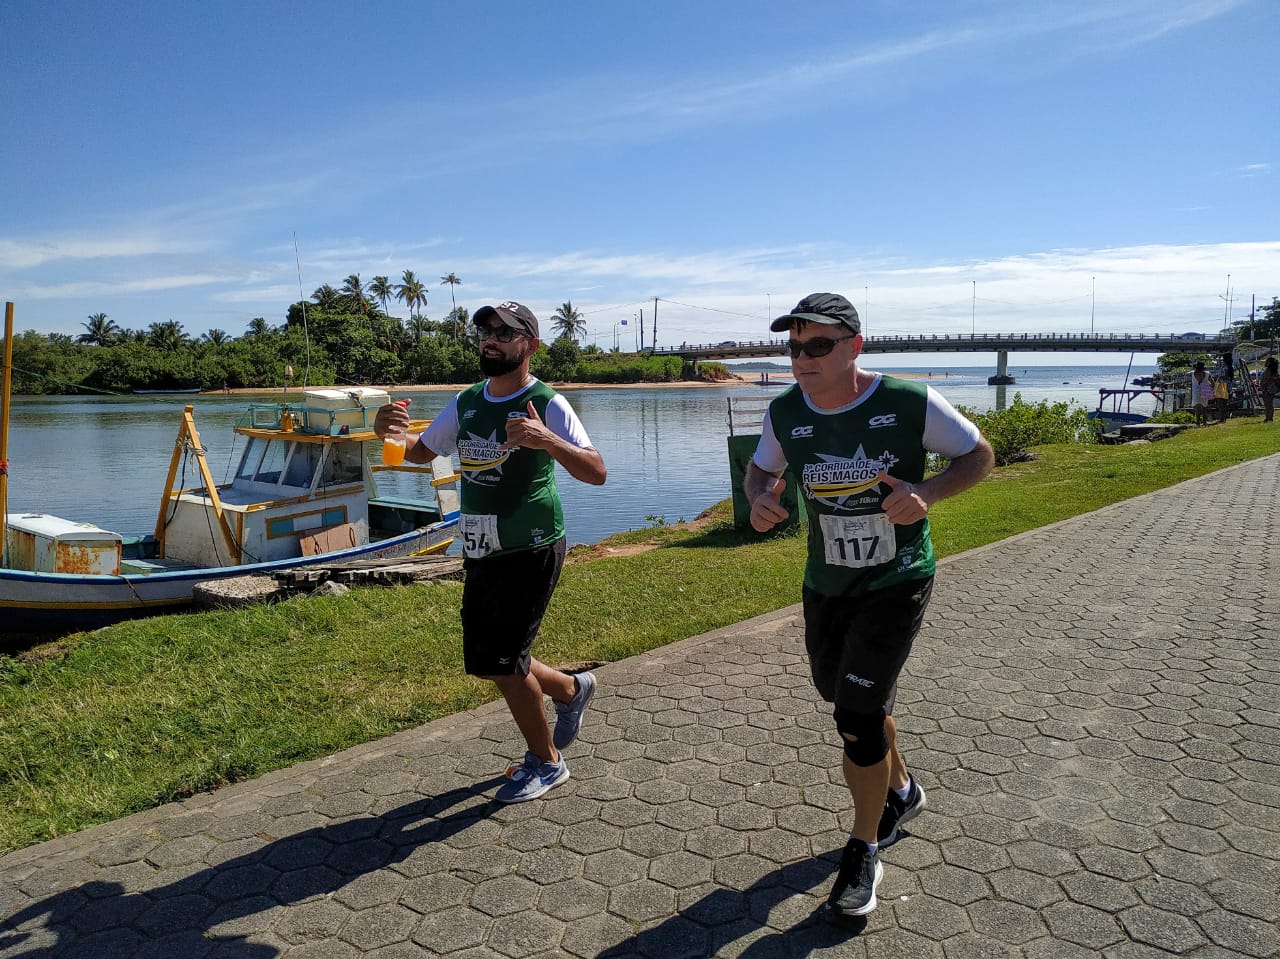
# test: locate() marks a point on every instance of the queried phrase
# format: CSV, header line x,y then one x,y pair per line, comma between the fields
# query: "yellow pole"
x,y
4,426
188,431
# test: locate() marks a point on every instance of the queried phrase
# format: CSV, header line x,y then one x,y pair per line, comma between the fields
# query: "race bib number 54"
x,y
479,535
858,540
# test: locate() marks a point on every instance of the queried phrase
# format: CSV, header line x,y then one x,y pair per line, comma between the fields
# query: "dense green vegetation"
x,y
108,723
1014,430
338,336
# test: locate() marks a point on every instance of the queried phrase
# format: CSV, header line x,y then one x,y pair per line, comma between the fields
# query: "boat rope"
x,y
75,387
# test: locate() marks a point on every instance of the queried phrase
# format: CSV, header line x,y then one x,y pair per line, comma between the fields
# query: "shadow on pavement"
x,y
779,903
101,919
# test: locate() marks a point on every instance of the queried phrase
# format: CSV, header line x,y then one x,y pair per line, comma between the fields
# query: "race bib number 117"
x,y
858,540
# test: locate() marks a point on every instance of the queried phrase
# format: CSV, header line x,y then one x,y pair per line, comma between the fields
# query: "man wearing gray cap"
x,y
509,432
857,442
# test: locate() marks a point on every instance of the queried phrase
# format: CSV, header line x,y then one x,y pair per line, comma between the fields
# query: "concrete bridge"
x,y
1002,344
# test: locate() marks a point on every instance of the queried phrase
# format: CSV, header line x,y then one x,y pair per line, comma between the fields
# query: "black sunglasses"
x,y
502,333
816,347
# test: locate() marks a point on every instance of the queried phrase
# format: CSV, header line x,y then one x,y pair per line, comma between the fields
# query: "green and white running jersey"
x,y
509,497
836,456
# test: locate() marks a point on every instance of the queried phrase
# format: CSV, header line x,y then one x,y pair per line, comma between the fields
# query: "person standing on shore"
x,y
1201,393
857,441
1221,396
510,431
1269,386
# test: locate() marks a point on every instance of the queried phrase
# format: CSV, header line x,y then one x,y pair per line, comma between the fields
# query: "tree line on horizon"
x,y
342,334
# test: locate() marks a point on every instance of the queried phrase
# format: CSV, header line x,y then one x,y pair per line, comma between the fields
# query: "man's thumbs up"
x,y
903,505
767,510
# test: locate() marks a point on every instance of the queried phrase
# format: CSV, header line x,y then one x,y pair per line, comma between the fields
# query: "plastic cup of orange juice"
x,y
393,444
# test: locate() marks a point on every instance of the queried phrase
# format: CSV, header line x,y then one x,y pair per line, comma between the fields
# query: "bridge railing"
x,y
995,341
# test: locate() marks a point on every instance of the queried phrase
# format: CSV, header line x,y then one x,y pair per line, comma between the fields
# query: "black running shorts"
x,y
858,645
503,600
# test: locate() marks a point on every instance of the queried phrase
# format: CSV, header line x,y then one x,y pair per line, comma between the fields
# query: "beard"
x,y
498,365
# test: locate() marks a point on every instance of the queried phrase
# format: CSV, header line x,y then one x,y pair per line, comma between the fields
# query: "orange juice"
x,y
393,450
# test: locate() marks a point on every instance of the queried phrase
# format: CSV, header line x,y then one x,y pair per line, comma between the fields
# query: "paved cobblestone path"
x,y
1093,709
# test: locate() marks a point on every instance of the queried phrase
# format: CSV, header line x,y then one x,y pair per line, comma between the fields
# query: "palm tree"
x,y
353,293
412,292
167,335
452,280
216,337
258,326
380,286
418,327
100,331
460,317
568,322
326,297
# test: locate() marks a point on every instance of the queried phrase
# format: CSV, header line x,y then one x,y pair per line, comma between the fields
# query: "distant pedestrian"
x,y
1269,387
510,431
1201,393
858,443
1221,396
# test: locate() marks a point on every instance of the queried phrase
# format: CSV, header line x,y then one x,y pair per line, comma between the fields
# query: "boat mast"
x,y
4,427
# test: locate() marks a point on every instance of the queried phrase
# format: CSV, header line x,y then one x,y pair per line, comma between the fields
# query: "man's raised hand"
x,y
766,509
528,431
904,505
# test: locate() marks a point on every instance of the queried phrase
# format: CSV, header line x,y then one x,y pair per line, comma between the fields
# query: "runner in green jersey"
x,y
856,442
509,432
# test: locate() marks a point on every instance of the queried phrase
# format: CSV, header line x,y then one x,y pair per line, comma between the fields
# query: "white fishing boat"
x,y
304,493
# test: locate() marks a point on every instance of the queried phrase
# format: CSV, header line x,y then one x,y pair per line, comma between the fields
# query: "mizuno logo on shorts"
x,y
801,431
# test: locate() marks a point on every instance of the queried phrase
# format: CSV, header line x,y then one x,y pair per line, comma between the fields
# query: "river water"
x,y
103,460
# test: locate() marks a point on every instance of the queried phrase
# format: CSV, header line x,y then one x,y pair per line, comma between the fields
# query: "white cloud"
x,y
1252,169
25,254
710,296
151,284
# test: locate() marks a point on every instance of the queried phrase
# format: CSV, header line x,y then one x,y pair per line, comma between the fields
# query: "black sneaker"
x,y
897,811
854,892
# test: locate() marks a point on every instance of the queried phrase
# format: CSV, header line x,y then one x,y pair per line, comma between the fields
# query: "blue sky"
x,y
994,165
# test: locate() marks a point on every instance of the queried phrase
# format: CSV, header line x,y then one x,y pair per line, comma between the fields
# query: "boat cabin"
x,y
303,485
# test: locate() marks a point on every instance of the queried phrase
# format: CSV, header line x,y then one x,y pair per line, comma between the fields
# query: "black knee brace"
x,y
872,744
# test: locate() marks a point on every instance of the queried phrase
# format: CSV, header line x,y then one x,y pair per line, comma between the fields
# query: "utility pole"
x,y
655,322
1226,306
641,350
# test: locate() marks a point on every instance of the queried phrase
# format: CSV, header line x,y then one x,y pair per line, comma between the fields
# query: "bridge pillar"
x,y
1002,377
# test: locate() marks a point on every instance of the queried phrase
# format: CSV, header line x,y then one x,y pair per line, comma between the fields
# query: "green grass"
x,y
108,723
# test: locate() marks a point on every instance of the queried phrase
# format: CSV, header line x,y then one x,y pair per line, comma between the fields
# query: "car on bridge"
x,y
1188,336
727,343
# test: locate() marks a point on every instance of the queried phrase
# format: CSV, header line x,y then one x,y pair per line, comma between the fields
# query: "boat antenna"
x,y
1127,371
306,334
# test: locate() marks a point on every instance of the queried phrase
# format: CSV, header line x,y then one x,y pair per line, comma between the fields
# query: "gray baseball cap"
x,y
511,314
829,309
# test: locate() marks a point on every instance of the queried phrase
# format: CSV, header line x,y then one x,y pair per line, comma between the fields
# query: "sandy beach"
x,y
776,378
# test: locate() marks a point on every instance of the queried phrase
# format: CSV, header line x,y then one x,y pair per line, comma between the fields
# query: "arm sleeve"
x,y
441,436
946,431
564,422
769,455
